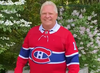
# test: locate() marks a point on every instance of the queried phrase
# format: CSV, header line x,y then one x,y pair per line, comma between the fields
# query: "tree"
x,y
13,29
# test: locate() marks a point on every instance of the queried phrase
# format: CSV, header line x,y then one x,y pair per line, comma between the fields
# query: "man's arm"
x,y
20,64
72,55
23,56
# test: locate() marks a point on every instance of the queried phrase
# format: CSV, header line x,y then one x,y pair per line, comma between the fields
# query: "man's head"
x,y
48,14
49,3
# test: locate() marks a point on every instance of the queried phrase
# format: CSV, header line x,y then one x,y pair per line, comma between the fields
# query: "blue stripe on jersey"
x,y
57,57
72,59
24,53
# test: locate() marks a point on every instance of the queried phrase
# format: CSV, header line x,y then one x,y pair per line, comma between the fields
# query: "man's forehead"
x,y
48,8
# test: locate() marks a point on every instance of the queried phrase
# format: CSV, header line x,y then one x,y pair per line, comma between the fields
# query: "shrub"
x,y
84,29
13,29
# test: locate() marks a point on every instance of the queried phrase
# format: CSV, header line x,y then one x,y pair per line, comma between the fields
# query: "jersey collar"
x,y
53,30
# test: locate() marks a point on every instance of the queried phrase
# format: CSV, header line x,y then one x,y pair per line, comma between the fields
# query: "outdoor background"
x,y
81,17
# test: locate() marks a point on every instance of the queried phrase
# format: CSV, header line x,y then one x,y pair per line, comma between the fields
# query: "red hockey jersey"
x,y
49,51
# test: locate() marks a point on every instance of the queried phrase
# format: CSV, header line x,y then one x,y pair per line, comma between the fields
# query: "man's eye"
x,y
43,13
50,13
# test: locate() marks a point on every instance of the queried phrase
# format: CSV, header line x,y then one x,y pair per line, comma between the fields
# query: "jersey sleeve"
x,y
71,54
23,56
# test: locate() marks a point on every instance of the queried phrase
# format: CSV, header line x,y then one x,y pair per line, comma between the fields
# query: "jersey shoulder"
x,y
64,32
34,29
64,29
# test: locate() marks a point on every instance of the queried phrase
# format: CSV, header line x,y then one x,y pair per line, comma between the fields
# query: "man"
x,y
49,47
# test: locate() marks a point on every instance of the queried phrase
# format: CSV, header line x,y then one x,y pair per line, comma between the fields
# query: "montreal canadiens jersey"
x,y
49,51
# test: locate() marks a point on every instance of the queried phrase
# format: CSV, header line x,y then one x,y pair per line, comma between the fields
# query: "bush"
x,y
13,29
96,8
84,29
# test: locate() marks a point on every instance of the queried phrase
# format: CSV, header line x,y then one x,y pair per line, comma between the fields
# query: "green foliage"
x,y
96,8
84,29
8,59
32,12
13,30
12,7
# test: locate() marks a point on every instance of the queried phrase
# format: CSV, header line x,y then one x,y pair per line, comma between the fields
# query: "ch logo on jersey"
x,y
41,55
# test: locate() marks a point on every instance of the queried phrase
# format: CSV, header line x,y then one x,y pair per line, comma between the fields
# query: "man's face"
x,y
48,17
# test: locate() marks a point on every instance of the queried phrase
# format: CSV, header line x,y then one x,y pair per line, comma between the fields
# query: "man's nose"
x,y
47,15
